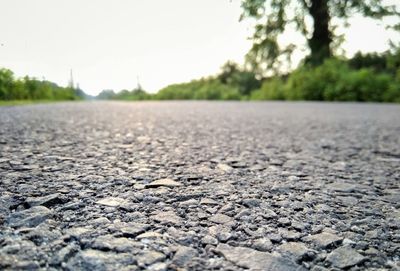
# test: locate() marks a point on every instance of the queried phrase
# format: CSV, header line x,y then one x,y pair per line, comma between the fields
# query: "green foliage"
x,y
106,94
6,84
232,83
272,89
371,60
364,78
203,89
137,94
334,80
274,18
235,77
33,89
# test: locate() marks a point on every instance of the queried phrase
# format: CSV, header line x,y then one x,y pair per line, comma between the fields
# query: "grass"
x,y
26,102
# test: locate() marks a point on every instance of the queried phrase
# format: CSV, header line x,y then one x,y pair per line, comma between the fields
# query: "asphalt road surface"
x,y
200,186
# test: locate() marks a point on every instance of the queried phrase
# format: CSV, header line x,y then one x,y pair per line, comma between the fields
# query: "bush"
x,y
33,89
393,93
272,89
203,89
334,80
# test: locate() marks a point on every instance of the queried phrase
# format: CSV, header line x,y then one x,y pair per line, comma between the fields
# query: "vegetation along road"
x,y
200,186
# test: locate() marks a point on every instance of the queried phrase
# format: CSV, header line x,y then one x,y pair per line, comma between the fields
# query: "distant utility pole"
x,y
71,80
138,83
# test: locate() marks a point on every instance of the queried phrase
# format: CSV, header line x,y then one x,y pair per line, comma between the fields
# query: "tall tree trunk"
x,y
322,37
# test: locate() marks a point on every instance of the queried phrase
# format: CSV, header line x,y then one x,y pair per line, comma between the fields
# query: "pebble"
x,y
344,257
29,218
167,217
325,239
256,260
164,183
184,255
220,219
149,257
295,250
111,202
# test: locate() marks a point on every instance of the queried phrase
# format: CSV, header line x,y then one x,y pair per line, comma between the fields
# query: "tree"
x,y
275,17
106,94
6,84
244,80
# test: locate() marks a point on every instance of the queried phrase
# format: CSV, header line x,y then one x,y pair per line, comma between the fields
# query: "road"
x,y
200,186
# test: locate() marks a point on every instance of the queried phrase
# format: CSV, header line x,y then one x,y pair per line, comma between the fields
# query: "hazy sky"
x,y
109,43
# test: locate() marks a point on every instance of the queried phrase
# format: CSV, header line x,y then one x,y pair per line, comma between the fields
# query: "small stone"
x,y
221,219
224,236
325,239
149,235
345,257
167,217
275,237
184,255
163,182
29,218
295,250
46,201
289,235
100,221
149,257
111,202
298,226
133,229
256,260
342,187
269,214
43,234
284,221
208,201
65,253
293,178
251,202
119,244
91,259
347,241
202,215
262,244
372,251
27,265
77,232
160,266
93,179
209,240
224,167
229,207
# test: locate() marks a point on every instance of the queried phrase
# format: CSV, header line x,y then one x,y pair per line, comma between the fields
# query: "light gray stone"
x,y
256,260
325,239
163,182
220,219
295,250
344,257
167,217
29,218
184,255
111,202
149,257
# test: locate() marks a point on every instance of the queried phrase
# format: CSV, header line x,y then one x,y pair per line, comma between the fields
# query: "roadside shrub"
x,y
308,83
272,89
334,80
33,89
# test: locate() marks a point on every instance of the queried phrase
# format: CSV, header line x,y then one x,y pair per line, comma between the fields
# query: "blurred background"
x,y
329,50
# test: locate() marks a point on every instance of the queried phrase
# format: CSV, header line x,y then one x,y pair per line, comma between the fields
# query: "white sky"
x,y
108,43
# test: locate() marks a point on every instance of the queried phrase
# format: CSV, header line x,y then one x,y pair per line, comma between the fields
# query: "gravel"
x,y
200,186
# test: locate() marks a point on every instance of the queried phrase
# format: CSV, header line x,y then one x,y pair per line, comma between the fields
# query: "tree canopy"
x,y
312,19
